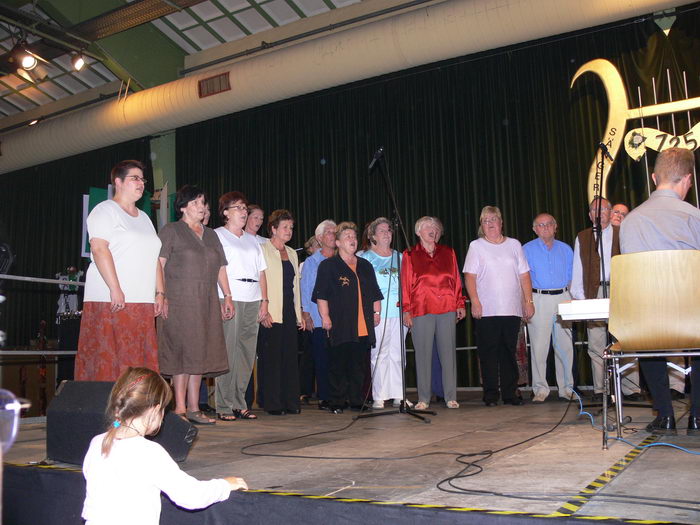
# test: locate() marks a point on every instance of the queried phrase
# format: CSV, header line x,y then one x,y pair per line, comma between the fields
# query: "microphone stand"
x,y
378,160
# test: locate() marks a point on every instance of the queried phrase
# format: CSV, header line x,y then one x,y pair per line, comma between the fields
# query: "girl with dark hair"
x,y
123,285
191,338
122,466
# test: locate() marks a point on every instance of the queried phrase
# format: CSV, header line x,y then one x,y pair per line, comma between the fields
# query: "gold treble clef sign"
x,y
619,113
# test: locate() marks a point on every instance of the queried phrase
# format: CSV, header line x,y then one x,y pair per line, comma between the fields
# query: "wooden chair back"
x,y
655,300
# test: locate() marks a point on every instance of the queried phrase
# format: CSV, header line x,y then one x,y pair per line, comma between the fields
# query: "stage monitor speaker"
x,y
77,414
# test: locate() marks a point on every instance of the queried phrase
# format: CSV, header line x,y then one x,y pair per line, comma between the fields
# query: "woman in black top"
x,y
349,302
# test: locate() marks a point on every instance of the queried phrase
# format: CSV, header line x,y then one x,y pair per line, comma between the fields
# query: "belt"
x,y
247,280
549,292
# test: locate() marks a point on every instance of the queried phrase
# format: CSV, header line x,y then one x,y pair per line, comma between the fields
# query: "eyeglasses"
x,y
544,225
490,220
238,207
136,178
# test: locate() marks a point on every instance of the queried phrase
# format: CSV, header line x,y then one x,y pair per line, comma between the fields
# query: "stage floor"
x,y
563,471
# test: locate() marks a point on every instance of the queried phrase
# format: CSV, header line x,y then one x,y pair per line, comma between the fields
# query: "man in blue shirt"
x,y
550,263
325,234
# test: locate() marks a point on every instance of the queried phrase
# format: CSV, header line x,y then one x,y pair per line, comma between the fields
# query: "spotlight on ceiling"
x,y
27,60
78,61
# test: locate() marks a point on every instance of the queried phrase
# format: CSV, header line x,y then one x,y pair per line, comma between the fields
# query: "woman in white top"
x,y
246,277
124,284
498,283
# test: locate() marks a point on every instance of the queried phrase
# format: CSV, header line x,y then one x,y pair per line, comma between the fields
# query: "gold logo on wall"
x,y
639,139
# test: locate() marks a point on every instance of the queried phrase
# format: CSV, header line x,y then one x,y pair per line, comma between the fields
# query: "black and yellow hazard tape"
x,y
477,510
584,496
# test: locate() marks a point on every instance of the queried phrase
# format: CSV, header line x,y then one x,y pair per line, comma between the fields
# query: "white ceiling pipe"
x,y
438,32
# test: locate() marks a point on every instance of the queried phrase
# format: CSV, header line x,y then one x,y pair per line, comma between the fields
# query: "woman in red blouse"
x,y
432,303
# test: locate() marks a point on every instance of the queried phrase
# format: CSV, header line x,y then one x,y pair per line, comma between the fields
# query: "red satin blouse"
x,y
431,285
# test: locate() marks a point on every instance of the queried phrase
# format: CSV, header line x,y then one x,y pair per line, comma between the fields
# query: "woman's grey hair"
x,y
489,210
322,227
429,220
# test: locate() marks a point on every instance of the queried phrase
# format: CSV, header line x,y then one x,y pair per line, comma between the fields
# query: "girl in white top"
x,y
123,467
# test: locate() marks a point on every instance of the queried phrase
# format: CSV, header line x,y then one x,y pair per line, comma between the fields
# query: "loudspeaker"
x,y
77,414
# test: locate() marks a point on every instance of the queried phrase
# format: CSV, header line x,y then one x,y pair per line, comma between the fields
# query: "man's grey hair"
x,y
322,227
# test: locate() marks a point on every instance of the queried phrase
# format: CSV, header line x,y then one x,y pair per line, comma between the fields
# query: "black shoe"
x,y
516,401
293,411
693,425
324,405
662,425
208,410
335,410
636,396
277,412
490,403
676,395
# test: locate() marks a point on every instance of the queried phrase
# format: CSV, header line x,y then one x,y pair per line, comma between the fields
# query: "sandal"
x,y
198,418
244,414
226,417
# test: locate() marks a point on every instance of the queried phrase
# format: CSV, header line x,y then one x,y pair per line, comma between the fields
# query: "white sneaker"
x,y
378,405
396,403
422,405
452,404
568,394
539,397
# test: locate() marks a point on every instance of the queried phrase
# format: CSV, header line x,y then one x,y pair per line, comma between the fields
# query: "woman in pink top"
x,y
498,283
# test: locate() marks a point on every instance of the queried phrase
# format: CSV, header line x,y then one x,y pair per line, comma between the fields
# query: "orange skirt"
x,y
111,342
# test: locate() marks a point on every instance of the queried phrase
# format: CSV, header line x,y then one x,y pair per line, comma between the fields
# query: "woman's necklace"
x,y
499,241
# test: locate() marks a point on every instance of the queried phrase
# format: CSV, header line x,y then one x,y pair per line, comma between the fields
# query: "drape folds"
x,y
499,128
41,209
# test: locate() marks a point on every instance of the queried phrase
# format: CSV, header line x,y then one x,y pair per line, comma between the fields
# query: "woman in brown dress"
x,y
191,337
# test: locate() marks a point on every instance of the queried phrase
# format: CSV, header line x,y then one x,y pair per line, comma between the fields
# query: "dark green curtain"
x,y
42,211
500,128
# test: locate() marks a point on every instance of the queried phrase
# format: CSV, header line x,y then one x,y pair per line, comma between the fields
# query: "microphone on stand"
x,y
605,151
378,155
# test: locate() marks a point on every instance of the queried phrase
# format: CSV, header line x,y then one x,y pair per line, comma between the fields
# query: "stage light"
x,y
78,61
27,60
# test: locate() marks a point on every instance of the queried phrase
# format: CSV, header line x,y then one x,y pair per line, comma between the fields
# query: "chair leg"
x,y
618,394
606,393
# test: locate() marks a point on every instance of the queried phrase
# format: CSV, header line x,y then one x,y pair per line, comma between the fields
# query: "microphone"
x,y
605,151
378,155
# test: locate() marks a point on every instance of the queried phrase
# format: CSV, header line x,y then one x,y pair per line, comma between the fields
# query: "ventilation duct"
x,y
440,31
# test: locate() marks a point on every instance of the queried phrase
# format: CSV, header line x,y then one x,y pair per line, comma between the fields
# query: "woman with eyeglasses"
x,y
246,277
433,303
124,287
191,337
498,283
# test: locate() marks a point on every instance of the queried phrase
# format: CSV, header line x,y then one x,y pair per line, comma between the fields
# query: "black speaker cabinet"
x,y
77,414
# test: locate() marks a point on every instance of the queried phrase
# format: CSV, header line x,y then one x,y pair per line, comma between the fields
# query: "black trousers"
x,y
279,367
346,373
306,364
656,374
496,340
